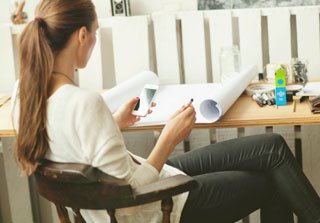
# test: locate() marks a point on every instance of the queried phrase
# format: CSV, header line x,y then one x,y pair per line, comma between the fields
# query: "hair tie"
x,y
40,21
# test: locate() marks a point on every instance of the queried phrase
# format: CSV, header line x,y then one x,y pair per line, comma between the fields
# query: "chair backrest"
x,y
82,186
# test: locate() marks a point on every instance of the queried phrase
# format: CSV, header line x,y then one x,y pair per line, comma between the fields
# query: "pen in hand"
x,y
188,104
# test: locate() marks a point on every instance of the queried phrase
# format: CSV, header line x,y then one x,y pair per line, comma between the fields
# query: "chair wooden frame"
x,y
81,186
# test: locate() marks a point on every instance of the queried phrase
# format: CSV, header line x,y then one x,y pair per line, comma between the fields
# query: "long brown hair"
x,y
40,41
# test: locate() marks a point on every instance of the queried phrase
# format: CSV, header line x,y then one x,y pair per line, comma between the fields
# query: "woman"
x,y
61,122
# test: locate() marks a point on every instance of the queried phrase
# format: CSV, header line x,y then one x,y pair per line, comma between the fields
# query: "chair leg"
x,y
112,216
166,208
78,217
63,214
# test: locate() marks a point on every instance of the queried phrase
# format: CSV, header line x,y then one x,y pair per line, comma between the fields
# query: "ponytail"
x,y
41,40
36,66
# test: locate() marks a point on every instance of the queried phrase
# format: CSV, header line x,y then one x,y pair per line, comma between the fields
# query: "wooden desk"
x,y
244,113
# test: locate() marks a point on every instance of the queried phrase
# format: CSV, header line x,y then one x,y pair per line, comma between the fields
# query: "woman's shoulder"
x,y
76,95
69,98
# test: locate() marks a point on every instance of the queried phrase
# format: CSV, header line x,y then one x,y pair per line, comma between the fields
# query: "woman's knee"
x,y
280,147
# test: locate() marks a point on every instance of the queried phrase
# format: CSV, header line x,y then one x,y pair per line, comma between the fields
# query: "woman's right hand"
x,y
177,128
179,125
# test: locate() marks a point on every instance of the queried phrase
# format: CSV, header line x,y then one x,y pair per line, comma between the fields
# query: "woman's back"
x,y
81,129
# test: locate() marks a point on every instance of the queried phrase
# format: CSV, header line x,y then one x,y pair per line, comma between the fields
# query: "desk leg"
x,y
17,186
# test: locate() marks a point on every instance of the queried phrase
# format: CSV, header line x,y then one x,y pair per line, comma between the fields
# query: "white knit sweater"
x,y
82,129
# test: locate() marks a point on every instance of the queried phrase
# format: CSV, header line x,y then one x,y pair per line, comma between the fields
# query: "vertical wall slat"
x,y
7,65
199,138
131,46
17,186
193,47
226,134
166,47
310,155
254,130
30,7
250,38
279,32
108,75
255,216
221,35
142,7
308,39
5,11
194,63
139,143
103,8
220,25
4,196
91,76
130,37
288,134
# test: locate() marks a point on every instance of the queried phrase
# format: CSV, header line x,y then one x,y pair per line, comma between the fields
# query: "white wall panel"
x,y
250,38
103,8
107,59
193,47
255,216
143,7
5,11
166,47
7,75
226,134
288,134
131,46
220,25
194,63
30,7
221,35
199,138
131,56
310,154
91,76
279,31
254,130
308,40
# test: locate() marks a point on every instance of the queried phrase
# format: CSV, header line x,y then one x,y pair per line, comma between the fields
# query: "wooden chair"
x,y
81,186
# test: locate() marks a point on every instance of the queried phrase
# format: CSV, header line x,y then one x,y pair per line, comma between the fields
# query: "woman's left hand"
x,y
124,116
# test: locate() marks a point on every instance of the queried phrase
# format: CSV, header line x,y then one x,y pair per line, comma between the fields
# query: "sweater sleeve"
x,y
102,144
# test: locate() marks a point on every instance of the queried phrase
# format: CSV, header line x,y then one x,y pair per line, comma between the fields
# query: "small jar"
x,y
230,62
299,71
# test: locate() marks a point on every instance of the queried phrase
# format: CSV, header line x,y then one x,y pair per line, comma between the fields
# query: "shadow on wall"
x,y
229,4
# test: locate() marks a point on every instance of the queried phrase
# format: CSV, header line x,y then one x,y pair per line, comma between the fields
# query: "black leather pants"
x,y
237,177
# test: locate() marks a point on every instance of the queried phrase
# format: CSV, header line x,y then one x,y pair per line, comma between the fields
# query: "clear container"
x,y
299,69
230,62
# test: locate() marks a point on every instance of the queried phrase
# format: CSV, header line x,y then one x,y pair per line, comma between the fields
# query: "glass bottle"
x,y
230,62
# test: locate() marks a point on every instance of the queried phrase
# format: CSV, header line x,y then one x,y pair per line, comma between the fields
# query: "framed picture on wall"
x,y
120,7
